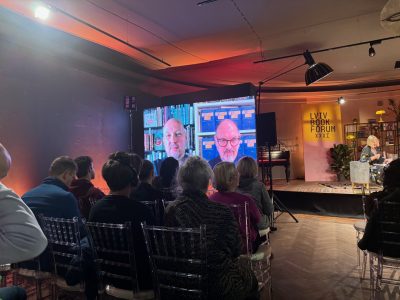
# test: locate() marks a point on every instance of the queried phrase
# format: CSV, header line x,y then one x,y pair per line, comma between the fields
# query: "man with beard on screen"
x,y
174,139
227,139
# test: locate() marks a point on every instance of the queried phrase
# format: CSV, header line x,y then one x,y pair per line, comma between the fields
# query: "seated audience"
x,y
226,181
145,191
136,162
228,277
166,181
249,184
118,208
82,187
390,193
21,237
52,198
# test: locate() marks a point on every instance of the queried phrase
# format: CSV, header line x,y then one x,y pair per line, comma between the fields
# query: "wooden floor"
x,y
317,259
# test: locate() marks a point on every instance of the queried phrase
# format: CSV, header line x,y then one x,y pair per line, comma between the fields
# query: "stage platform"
x,y
323,198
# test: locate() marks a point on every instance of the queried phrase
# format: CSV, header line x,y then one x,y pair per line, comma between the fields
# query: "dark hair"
x,y
125,159
168,170
118,175
62,164
84,164
147,170
136,162
391,175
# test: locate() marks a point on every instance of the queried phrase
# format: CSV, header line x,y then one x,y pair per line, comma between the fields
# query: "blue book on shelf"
x,y
248,117
208,149
207,120
249,146
220,115
235,114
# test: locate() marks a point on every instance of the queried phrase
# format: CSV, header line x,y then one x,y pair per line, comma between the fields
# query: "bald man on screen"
x,y
227,140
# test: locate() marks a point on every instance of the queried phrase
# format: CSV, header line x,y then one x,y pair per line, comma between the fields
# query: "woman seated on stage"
x,y
390,193
249,184
370,154
228,277
226,181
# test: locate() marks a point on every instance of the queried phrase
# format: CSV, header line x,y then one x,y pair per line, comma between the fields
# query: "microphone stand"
x,y
278,205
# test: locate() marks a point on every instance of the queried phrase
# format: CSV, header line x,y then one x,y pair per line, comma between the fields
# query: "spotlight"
x,y
397,64
341,100
42,12
315,71
371,51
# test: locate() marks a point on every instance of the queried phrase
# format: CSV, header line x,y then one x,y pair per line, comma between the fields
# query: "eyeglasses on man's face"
x,y
224,142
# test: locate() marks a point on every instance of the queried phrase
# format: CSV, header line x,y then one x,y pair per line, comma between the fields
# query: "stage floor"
x,y
301,186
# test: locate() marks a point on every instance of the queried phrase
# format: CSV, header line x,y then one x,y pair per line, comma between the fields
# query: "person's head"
x,y
226,177
85,167
125,159
5,162
373,141
136,162
119,177
64,168
174,138
147,171
168,170
391,175
227,140
195,175
247,167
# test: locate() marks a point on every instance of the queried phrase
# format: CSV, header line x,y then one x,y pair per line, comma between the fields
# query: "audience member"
x,y
226,181
52,198
21,237
118,208
390,193
249,184
166,181
145,191
136,162
82,187
229,277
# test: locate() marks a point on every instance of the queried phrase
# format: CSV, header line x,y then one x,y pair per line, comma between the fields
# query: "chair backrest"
x,y
157,207
389,221
113,244
178,259
359,172
241,213
64,242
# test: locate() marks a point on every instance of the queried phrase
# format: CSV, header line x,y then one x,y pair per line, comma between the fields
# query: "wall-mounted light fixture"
x,y
341,100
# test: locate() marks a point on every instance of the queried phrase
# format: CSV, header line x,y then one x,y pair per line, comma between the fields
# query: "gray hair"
x,y
195,174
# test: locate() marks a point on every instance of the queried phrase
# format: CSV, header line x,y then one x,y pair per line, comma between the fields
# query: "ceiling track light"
x,y
341,100
371,50
397,64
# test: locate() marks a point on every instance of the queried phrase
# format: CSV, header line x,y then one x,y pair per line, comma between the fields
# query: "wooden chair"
x,y
388,256
65,246
115,255
178,259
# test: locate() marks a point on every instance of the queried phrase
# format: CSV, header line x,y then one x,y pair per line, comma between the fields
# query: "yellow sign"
x,y
322,122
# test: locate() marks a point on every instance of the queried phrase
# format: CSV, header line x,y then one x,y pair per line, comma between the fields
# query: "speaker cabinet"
x,y
266,129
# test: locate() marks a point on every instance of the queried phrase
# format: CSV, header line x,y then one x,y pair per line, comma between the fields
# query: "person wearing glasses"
x,y
174,139
227,139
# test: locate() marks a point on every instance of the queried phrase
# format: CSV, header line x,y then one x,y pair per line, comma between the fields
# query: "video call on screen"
x,y
222,130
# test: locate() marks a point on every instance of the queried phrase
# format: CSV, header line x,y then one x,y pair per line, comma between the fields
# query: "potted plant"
x,y
341,156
